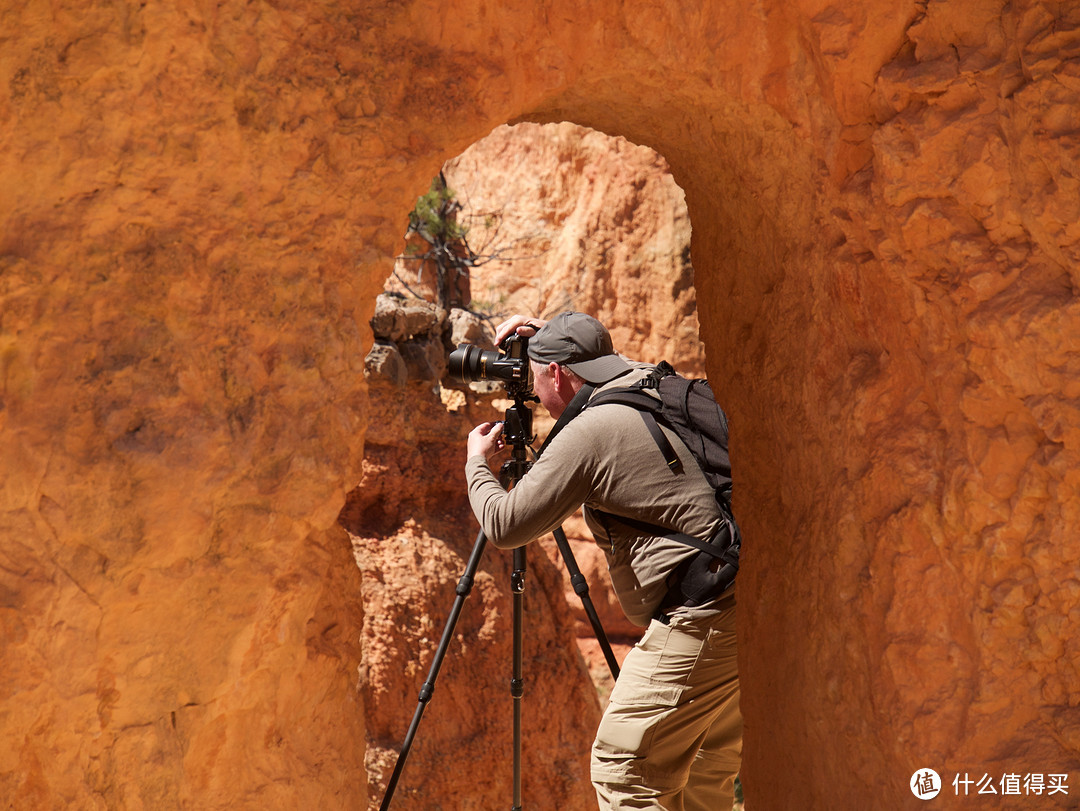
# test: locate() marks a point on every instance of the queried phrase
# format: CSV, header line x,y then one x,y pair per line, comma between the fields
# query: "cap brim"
x,y
601,369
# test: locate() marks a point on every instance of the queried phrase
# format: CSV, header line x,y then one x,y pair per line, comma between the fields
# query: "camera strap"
x,y
573,408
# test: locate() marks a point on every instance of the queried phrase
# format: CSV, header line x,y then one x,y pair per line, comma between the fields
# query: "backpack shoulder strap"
x,y
646,405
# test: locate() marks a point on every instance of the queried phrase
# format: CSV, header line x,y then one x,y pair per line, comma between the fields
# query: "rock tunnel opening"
x,y
570,218
776,325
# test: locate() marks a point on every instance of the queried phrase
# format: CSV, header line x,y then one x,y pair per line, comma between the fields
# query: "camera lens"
x,y
468,362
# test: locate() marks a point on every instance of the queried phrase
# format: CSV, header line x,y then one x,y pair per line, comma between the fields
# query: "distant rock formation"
x,y
589,223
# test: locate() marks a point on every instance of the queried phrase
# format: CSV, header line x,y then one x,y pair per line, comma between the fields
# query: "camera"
x,y
510,367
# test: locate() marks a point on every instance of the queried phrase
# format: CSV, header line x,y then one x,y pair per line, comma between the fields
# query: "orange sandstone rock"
x,y
201,203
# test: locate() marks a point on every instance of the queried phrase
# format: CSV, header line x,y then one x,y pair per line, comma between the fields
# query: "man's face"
x,y
544,386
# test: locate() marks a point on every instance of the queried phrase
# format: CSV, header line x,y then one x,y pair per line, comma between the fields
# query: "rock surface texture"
x,y
200,203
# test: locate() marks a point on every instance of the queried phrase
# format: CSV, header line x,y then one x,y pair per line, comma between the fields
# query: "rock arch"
x,y
202,202
592,223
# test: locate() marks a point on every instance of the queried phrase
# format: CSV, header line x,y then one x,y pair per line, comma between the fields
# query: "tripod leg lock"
x,y
517,688
464,586
580,584
426,692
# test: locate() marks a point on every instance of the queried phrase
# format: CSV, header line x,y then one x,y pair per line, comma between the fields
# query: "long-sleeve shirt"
x,y
606,459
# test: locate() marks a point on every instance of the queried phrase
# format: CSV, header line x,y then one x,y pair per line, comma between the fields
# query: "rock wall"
x,y
201,202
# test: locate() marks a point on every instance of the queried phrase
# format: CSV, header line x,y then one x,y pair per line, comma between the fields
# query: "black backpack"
x,y
688,407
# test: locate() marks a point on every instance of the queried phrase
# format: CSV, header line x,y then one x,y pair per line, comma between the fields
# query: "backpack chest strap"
x,y
719,546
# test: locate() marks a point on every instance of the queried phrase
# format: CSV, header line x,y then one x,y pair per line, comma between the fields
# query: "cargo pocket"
x,y
637,708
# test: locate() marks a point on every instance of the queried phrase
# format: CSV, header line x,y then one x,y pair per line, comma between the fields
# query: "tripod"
x,y
517,429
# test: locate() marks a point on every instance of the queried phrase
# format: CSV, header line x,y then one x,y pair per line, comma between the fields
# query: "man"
x,y
671,736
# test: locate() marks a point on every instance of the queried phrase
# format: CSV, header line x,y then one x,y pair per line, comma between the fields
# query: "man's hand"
x,y
522,324
486,440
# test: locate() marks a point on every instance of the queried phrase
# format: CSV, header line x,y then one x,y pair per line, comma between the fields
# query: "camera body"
x,y
510,367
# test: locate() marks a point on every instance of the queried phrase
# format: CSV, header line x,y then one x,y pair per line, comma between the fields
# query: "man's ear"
x,y
557,376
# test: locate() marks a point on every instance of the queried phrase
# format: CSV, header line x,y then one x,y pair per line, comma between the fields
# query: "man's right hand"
x,y
486,440
522,324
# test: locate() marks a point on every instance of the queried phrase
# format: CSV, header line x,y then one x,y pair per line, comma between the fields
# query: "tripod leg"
x,y
464,586
581,588
517,682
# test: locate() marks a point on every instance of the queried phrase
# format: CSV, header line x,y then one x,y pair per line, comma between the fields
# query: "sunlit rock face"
x,y
566,218
201,203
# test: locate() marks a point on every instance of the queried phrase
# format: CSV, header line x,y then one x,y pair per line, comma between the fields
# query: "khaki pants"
x,y
671,737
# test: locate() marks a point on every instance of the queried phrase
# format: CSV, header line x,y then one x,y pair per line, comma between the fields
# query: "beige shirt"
x,y
606,459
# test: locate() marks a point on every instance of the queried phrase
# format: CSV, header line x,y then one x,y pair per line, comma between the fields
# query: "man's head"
x,y
570,350
580,343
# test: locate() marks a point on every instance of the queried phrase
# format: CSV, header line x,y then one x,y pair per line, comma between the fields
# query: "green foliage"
x,y
490,306
434,217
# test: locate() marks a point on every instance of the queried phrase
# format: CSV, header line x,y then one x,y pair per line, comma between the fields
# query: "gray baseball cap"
x,y
582,344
